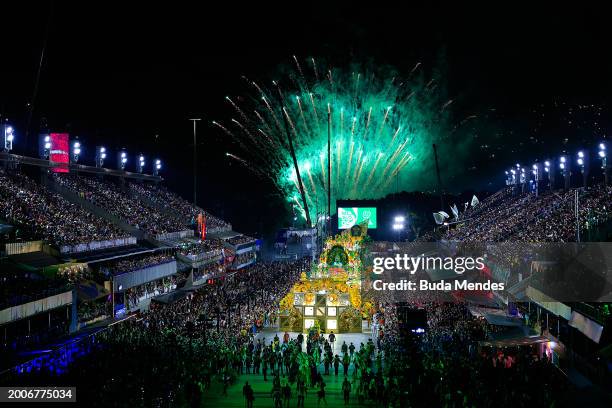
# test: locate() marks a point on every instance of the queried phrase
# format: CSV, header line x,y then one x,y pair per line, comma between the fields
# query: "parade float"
x,y
329,297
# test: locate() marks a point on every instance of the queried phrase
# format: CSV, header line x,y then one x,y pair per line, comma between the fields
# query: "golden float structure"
x,y
329,297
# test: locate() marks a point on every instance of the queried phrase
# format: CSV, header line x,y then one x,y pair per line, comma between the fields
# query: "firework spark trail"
x,y
240,112
390,114
338,161
395,134
446,104
348,166
314,68
373,171
299,68
393,156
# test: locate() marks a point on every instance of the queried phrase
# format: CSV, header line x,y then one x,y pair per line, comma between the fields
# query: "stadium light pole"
x,y
536,174
46,151
582,163
549,174
9,136
100,156
141,164
604,161
122,159
76,151
195,161
563,165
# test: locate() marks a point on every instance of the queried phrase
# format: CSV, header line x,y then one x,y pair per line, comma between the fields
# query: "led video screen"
x,y
349,216
60,152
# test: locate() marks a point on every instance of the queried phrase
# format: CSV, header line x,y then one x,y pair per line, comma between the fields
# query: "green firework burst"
x,y
382,126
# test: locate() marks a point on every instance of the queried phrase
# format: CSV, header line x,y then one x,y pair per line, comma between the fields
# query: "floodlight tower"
x,y
141,163
549,174
100,156
45,147
583,164
564,167
9,137
603,155
535,170
157,167
122,160
76,151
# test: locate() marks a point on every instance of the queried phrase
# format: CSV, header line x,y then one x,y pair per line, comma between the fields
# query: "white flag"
x,y
475,201
465,206
444,214
455,211
439,218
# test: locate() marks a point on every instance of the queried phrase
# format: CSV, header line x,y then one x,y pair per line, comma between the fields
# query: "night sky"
x,y
132,76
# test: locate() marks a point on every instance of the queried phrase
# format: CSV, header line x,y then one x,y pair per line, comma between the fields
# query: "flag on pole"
x,y
475,201
440,216
455,211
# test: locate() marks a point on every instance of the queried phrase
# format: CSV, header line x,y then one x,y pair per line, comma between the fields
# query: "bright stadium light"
x,y
581,154
604,161
580,162
141,163
398,227
76,151
157,167
9,137
122,160
399,219
100,156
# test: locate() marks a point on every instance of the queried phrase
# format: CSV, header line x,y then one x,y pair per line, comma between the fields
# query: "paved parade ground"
x,y
262,389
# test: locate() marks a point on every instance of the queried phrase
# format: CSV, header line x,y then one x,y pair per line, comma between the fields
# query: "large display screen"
x,y
60,152
349,216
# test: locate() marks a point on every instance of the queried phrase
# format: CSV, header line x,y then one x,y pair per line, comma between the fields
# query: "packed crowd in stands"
x,y
244,258
151,289
134,263
550,217
202,249
108,196
210,270
240,239
49,216
163,198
